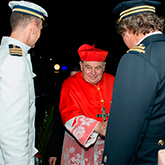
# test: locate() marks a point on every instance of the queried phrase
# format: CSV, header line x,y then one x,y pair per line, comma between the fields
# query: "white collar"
x,y
150,34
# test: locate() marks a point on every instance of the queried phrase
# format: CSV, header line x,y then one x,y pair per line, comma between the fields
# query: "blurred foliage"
x,y
44,131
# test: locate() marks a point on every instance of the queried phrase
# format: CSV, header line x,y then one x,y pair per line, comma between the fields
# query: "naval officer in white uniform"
x,y
17,97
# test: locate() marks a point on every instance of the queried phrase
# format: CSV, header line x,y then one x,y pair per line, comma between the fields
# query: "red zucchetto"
x,y
90,53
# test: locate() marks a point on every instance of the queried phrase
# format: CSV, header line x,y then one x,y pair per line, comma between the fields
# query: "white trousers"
x,y
21,162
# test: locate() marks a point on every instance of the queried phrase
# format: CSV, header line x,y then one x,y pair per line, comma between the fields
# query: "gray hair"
x,y
83,62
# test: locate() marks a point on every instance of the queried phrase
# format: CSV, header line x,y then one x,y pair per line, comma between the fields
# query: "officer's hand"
x,y
52,160
101,128
161,157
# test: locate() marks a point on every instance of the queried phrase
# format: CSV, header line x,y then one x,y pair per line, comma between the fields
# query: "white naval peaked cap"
x,y
28,8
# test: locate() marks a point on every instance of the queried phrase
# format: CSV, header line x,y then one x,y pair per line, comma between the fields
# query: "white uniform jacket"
x,y
17,104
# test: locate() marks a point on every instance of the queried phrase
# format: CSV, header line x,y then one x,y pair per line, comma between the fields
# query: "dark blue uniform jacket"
x,y
136,125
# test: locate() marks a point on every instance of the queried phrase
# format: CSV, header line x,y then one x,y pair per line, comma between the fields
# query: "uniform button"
x,y
105,158
160,142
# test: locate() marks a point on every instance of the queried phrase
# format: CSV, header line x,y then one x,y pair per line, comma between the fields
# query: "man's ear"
x,y
80,65
33,27
127,33
104,66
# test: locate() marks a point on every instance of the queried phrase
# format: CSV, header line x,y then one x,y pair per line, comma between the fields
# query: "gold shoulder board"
x,y
15,50
137,49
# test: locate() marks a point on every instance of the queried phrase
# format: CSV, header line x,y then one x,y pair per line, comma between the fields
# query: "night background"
x,y
71,23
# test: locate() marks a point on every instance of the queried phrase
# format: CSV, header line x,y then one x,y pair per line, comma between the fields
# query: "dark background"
x,y
71,24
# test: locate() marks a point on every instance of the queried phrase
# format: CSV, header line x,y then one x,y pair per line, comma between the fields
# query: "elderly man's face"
x,y
92,71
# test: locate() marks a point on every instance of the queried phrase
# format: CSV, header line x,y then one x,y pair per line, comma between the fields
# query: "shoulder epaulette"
x,y
15,50
137,49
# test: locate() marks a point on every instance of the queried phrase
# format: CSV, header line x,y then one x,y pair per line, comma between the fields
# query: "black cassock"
x,y
136,125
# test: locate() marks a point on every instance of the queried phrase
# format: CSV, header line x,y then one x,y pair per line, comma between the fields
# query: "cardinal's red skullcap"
x,y
90,53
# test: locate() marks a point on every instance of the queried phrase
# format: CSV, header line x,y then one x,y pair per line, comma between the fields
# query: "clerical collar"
x,y
150,34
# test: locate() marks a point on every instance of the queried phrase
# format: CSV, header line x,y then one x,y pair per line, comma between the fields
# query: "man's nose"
x,y
93,71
